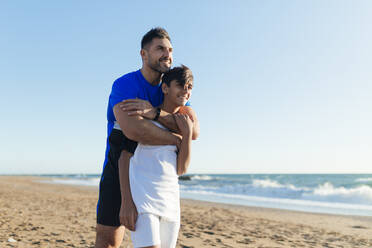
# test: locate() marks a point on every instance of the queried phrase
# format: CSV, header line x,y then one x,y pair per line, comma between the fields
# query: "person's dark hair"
x,y
182,74
158,32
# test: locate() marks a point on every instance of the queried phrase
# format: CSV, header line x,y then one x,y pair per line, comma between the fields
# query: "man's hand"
x,y
128,215
138,107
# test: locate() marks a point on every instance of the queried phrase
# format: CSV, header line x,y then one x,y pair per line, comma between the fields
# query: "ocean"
x,y
347,194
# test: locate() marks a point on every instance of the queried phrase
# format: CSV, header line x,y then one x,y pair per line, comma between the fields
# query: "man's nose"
x,y
167,53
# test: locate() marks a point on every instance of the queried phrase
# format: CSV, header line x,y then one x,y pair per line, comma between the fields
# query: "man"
x,y
141,93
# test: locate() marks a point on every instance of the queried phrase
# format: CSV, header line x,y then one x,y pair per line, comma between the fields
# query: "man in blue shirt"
x,y
133,101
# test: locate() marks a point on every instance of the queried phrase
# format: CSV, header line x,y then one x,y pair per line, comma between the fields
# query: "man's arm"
x,y
138,107
142,130
169,121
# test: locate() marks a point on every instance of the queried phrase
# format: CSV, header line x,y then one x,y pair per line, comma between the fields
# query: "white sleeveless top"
x,y
154,181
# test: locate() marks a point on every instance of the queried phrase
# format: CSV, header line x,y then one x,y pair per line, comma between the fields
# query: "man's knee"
x,y
109,236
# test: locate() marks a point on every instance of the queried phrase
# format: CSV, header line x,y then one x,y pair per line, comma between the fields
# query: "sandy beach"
x,y
38,214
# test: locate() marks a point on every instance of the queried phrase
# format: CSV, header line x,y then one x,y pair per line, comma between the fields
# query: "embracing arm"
x,y
142,130
138,107
168,120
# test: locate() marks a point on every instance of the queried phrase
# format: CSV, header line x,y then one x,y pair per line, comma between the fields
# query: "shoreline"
x,y
300,205
38,214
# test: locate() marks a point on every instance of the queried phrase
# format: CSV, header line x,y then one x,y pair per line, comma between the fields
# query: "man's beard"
x,y
158,68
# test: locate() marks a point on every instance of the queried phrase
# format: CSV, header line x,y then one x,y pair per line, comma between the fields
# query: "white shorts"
x,y
155,230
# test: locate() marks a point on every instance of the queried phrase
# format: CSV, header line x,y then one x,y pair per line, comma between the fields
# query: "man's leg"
x,y
109,232
109,236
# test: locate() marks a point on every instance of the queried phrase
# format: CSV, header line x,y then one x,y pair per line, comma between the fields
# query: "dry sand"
x,y
36,214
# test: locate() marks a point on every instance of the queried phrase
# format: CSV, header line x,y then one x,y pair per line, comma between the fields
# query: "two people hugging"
x,y
150,128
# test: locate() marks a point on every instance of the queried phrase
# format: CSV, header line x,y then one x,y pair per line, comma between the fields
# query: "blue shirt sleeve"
x,y
122,89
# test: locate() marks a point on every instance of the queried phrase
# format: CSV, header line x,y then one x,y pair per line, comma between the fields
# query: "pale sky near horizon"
x,y
280,86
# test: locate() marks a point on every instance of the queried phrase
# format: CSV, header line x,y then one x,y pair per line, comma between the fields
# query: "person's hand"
x,y
128,215
178,140
138,107
184,124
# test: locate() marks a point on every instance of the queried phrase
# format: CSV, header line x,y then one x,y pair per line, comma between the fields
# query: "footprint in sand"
x,y
188,235
359,227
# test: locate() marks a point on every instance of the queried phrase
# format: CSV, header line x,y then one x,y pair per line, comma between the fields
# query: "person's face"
x,y
177,93
158,55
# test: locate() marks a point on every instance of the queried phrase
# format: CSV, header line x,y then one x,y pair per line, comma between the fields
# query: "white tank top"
x,y
154,181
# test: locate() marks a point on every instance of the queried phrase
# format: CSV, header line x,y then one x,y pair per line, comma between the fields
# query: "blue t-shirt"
x,y
130,86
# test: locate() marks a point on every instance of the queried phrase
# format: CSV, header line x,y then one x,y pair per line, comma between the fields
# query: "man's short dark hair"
x,y
182,74
158,32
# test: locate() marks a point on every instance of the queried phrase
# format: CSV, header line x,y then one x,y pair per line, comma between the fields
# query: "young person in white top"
x,y
154,170
133,113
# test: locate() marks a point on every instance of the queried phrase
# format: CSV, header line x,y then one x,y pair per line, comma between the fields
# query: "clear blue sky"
x,y
280,86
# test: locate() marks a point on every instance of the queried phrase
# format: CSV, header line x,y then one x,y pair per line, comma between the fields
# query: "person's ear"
x,y
164,88
143,54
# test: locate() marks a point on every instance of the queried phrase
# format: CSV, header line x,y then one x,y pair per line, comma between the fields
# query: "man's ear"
x,y
143,54
164,88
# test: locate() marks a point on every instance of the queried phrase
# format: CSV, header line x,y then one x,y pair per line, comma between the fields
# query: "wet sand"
x,y
37,214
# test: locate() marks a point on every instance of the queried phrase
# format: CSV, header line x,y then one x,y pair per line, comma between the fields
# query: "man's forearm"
x,y
144,131
137,107
167,120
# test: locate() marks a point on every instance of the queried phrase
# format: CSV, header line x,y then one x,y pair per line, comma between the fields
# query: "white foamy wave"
x,y
199,177
83,182
299,204
327,192
255,189
274,184
368,179
266,183
199,187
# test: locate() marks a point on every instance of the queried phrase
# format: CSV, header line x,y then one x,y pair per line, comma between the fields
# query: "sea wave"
x,y
252,200
202,177
328,192
267,183
264,188
272,189
368,179
77,181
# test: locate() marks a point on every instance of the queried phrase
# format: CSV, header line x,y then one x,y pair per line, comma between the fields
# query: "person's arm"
x,y
142,130
128,211
169,121
187,110
138,107
185,124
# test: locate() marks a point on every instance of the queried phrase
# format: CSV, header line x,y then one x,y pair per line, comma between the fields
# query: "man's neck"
x,y
151,76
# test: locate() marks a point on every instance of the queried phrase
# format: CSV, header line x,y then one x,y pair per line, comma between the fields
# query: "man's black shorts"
x,y
109,200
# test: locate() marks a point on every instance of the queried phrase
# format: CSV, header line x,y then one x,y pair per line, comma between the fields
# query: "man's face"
x,y
158,55
177,93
